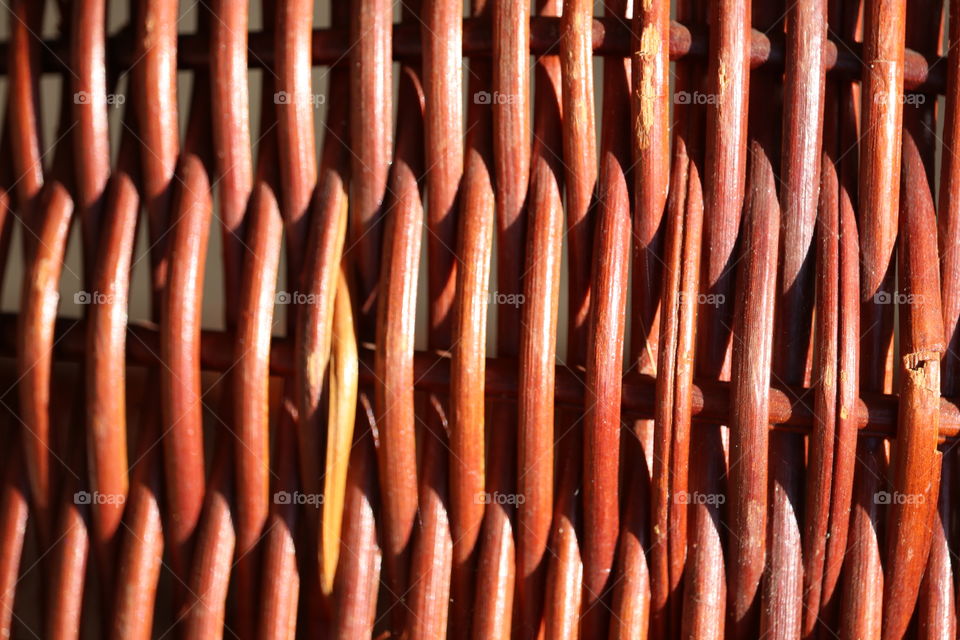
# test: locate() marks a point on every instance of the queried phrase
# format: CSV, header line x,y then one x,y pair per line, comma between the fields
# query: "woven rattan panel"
x,y
518,351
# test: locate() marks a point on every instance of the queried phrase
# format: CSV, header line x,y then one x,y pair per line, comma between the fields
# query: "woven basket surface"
x,y
488,319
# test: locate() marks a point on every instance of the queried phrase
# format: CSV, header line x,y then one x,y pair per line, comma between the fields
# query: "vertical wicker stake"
x,y
181,391
801,160
750,383
883,35
234,174
942,582
839,175
141,549
443,154
704,593
935,605
432,561
394,362
781,600
539,306
493,584
604,362
26,145
28,169
511,157
650,111
34,362
723,193
630,604
107,427
916,461
565,570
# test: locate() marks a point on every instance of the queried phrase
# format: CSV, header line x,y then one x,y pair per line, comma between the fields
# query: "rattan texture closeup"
x,y
669,351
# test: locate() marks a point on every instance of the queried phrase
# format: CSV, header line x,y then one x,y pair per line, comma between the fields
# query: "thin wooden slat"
x,y
229,101
204,611
341,417
942,620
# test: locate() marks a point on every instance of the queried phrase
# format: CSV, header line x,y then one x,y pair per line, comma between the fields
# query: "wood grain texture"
x,y
750,377
803,113
838,180
579,162
938,603
538,310
394,397
604,361
468,361
916,461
